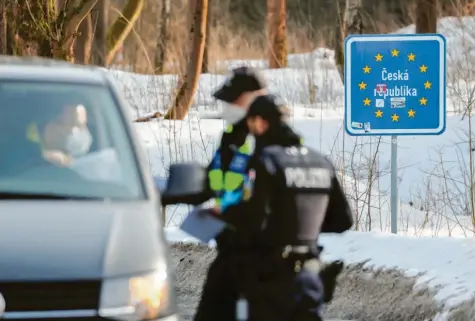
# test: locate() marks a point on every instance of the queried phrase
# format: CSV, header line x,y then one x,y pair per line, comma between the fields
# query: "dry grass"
x,y
227,41
230,42
308,28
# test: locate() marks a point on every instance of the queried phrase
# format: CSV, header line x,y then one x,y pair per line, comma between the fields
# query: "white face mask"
x,y
78,142
232,113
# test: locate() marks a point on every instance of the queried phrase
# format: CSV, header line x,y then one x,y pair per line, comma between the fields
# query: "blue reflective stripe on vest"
x,y
237,172
230,198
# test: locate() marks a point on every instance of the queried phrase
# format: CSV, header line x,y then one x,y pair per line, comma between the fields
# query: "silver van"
x,y
80,230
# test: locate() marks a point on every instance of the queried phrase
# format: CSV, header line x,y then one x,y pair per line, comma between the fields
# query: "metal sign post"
x,y
394,187
395,85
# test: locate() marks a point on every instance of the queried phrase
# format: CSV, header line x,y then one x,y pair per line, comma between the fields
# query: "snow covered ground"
x,y
436,242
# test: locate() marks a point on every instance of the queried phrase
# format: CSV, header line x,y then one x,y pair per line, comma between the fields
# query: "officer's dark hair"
x,y
274,110
269,107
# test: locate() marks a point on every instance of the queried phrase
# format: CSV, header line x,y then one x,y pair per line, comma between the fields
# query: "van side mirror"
x,y
185,185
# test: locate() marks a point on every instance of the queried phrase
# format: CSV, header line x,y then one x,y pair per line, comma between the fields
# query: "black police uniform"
x,y
219,295
296,196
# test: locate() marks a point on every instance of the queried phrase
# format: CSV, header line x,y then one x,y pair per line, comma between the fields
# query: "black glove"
x,y
319,249
328,276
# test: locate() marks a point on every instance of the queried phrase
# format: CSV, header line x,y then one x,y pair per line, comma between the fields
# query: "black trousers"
x,y
219,295
272,287
280,293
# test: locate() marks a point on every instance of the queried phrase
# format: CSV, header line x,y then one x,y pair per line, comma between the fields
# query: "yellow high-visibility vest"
x,y
230,184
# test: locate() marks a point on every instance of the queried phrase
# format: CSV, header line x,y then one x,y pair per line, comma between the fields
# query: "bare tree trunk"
x,y
3,28
271,4
100,23
121,28
10,41
62,22
339,39
353,24
75,15
426,16
205,65
133,50
189,84
276,21
163,38
82,50
353,17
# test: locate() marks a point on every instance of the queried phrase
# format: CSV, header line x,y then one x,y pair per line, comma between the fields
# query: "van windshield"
x,y
65,140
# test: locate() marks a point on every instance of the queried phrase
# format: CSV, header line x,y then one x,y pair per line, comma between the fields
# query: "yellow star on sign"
x,y
378,57
411,57
367,101
427,85
423,101
378,113
411,113
366,69
362,85
423,68
395,53
395,118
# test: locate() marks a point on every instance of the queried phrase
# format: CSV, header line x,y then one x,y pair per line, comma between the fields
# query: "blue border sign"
x,y
395,85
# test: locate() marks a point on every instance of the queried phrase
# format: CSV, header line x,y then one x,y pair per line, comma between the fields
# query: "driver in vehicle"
x,y
67,142
64,140
67,137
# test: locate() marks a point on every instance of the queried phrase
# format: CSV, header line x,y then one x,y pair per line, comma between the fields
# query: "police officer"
x,y
296,196
226,178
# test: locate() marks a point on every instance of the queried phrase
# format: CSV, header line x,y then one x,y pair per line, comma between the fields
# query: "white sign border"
x,y
442,83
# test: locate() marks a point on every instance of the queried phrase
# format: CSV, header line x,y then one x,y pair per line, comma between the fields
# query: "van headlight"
x,y
137,298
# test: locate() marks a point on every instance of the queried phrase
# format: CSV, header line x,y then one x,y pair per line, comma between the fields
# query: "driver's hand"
x,y
58,158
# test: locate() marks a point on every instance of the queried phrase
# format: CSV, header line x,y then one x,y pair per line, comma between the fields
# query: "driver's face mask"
x,y
78,142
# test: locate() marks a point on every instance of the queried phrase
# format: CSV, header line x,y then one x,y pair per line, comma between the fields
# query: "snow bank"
x,y
362,294
388,277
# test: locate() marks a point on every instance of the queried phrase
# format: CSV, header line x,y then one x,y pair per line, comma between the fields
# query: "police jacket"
x,y
228,175
288,206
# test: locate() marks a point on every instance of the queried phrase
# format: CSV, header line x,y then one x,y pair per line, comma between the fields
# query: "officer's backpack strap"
x,y
307,179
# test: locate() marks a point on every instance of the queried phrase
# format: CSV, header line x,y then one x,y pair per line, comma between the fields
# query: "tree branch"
x,y
75,15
